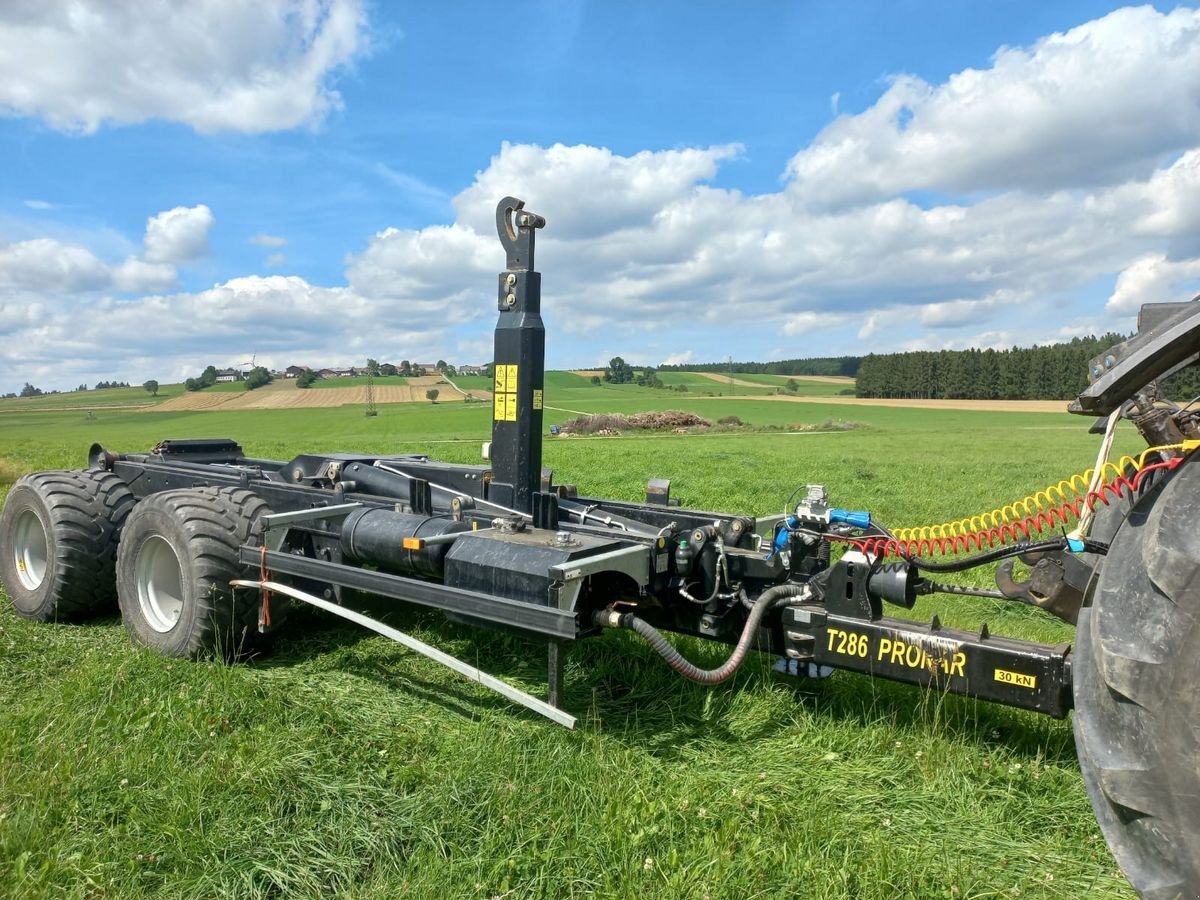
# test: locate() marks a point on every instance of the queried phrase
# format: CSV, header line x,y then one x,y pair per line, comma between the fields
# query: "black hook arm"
x,y
518,240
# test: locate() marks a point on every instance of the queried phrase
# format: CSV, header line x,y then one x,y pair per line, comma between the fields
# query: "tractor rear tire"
x,y
58,543
1137,690
177,556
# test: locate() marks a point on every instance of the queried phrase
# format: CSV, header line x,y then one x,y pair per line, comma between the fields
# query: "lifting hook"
x,y
518,241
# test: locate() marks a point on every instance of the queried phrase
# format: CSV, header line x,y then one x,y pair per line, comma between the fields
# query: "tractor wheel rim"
x,y
31,550
159,578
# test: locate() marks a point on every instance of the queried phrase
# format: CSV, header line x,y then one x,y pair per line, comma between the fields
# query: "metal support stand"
x,y
549,710
554,673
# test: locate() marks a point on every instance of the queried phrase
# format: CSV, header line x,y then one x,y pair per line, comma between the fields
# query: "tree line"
x,y
1052,372
817,365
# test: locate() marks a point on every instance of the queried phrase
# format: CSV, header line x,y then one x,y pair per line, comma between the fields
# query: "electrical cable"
x,y
982,559
903,544
1049,507
1110,432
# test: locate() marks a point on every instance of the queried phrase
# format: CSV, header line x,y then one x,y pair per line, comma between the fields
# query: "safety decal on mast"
x,y
505,394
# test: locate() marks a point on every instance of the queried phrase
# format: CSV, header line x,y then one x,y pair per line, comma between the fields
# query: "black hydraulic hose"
x,y
766,600
999,553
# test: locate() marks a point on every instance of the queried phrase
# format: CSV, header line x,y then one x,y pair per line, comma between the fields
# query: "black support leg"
x,y
554,672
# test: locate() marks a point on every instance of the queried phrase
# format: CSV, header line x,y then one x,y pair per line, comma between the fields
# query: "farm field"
x,y
343,765
837,381
322,384
819,385
393,389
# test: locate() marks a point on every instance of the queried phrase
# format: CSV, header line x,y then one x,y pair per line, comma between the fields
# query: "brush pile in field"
x,y
612,424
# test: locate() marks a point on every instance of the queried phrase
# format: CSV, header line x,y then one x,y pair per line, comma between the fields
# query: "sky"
x,y
314,182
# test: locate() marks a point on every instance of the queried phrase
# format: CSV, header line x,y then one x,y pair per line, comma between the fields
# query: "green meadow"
x,y
342,765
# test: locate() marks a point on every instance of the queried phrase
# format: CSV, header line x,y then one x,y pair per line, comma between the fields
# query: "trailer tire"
x,y
1137,706
58,543
177,557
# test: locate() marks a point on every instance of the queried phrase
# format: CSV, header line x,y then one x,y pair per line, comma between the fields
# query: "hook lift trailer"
x,y
198,542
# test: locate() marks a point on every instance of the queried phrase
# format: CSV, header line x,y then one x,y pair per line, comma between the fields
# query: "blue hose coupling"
x,y
857,518
781,539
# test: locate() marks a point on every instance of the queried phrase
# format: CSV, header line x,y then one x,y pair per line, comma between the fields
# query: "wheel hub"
x,y
159,578
31,550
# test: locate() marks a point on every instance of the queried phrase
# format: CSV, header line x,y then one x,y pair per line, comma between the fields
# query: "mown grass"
x,y
342,765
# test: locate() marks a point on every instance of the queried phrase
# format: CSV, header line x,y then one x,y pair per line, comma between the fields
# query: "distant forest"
x,y
824,365
1054,372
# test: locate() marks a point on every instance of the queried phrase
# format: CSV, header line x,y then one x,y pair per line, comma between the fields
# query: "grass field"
x,y
342,765
130,396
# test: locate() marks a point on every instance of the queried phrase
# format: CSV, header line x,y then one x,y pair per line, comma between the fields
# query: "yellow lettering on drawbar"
x,y
1020,679
510,407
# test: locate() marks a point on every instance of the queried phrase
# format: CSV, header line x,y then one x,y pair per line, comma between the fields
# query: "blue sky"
x,y
313,182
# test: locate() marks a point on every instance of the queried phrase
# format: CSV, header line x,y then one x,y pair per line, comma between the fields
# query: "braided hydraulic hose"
x,y
768,599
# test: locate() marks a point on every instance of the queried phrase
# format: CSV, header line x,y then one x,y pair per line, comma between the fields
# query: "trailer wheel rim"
x,y
31,550
159,578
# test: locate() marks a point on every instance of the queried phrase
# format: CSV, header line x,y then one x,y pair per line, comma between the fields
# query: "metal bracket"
x,y
275,525
633,561
518,241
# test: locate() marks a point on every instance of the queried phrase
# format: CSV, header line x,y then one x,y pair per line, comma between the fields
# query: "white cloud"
x,y
678,359
1105,101
1153,279
805,323
47,265
135,275
268,240
39,204
212,64
54,271
609,192
178,235
275,260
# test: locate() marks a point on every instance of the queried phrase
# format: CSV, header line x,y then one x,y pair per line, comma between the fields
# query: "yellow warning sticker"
x,y
504,406
1020,679
537,399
